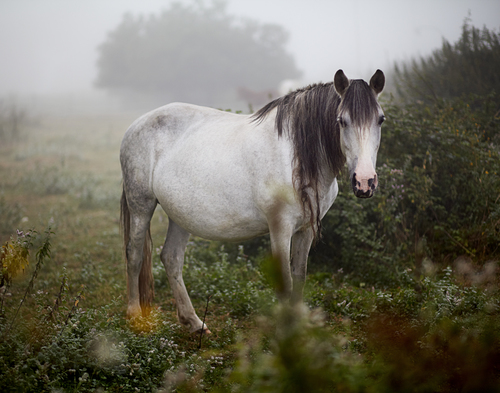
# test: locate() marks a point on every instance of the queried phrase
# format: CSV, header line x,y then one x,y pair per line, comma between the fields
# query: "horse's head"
x,y
360,118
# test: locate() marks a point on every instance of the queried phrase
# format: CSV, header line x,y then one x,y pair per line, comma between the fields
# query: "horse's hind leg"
x,y
139,217
172,257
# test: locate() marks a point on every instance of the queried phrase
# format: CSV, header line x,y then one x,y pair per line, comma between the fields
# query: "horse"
x,y
231,177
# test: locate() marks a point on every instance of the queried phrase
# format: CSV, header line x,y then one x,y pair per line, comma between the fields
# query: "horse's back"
x,y
156,135
168,122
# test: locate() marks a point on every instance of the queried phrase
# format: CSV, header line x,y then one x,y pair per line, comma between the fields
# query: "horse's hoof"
x,y
132,314
204,331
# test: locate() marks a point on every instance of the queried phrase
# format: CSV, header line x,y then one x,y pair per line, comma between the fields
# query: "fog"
x,y
49,47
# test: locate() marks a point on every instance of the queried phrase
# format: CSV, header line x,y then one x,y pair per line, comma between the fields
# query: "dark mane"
x,y
309,117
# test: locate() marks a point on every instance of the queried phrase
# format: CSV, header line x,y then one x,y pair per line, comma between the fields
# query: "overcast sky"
x,y
49,46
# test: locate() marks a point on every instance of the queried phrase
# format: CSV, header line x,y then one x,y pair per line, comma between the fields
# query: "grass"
x,y
438,333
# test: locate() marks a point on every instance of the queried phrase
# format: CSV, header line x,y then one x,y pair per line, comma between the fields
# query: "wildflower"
x,y
84,377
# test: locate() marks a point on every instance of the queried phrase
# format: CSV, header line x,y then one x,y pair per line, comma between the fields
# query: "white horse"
x,y
224,176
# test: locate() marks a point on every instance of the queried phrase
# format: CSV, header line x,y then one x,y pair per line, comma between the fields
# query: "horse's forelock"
x,y
360,102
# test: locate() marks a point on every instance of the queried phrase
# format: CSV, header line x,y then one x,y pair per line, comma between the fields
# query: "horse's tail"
x,y
146,281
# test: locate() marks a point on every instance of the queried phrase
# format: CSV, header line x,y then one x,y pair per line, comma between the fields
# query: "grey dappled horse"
x,y
225,176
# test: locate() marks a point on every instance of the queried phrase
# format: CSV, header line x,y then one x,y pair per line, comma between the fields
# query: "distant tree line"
x,y
193,53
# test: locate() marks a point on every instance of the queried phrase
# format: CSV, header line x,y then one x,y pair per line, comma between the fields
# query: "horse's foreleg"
x,y
280,245
172,257
301,244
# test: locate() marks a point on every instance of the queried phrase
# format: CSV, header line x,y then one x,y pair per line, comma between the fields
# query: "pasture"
x,y
434,328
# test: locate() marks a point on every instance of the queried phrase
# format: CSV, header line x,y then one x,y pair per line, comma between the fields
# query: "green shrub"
x,y
450,166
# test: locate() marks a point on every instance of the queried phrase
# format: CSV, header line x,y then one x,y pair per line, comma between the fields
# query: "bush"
x,y
450,162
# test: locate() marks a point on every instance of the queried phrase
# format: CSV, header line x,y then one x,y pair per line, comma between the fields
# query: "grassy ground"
x,y
64,173
438,334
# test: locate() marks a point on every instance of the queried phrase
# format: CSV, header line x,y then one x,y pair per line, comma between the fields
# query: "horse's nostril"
x,y
363,194
372,183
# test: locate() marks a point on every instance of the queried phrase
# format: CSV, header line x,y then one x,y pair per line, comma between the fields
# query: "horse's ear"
x,y
340,82
377,82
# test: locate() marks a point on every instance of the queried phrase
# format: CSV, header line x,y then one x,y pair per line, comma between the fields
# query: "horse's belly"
x,y
209,207
218,221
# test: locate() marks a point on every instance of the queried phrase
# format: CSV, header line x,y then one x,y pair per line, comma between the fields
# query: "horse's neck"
x,y
326,177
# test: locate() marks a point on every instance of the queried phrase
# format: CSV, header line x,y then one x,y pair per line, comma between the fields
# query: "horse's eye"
x,y
341,122
381,119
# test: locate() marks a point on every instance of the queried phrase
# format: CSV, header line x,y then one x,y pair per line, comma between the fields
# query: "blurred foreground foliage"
x,y
445,337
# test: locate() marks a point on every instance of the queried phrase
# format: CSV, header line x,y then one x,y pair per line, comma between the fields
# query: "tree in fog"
x,y
193,53
471,65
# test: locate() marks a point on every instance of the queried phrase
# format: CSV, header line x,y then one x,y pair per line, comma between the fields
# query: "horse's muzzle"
x,y
364,187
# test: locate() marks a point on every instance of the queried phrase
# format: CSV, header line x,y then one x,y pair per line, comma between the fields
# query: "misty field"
x,y
63,325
